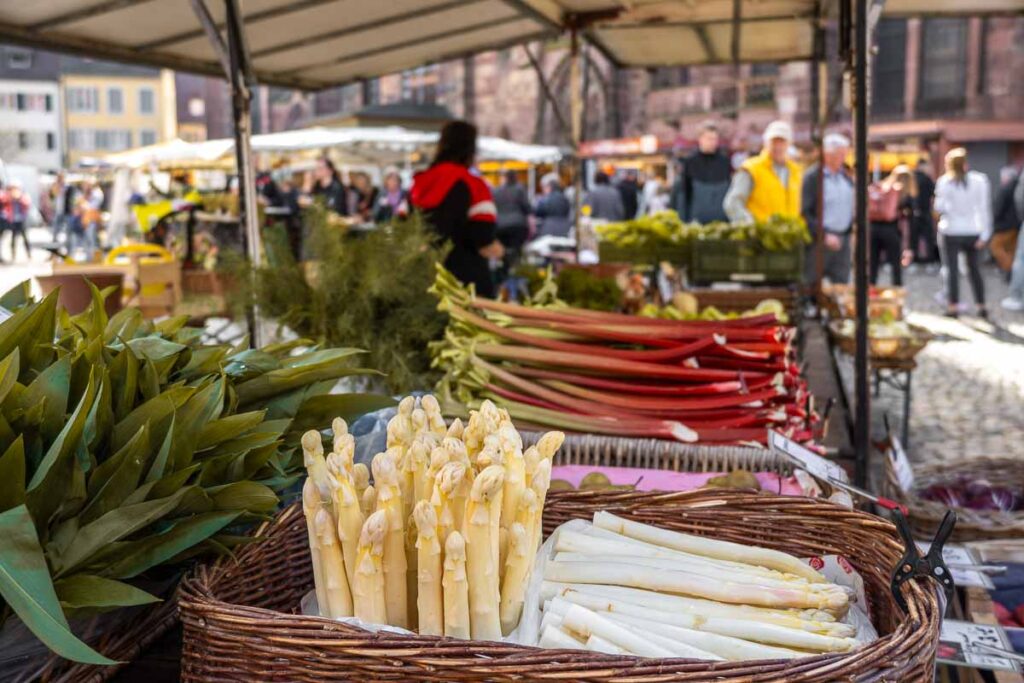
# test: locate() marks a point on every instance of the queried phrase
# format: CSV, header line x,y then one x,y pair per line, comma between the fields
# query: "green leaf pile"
x,y
127,444
664,231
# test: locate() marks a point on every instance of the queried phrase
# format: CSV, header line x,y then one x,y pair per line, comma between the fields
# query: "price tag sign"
x,y
962,643
804,458
900,464
959,559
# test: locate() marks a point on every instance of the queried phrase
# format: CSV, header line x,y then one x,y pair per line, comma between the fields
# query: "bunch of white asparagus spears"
x,y
623,587
444,540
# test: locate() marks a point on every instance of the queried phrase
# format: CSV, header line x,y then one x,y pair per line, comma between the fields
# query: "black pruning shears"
x,y
912,565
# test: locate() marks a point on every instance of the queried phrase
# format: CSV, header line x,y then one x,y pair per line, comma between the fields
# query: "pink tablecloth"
x,y
665,480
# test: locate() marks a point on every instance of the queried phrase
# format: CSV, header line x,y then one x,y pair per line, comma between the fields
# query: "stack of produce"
x,y
623,587
664,231
607,373
685,306
444,539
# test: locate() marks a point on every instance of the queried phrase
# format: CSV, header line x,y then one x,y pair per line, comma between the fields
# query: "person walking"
x,y
963,202
890,206
629,190
705,178
769,184
393,200
1005,220
836,213
553,210
1014,301
17,208
605,201
460,208
513,221
923,239
328,186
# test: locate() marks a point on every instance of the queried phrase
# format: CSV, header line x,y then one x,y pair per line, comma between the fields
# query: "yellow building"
x,y
113,109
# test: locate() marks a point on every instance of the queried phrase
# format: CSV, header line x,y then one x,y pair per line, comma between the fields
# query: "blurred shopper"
x,y
705,181
923,238
1005,220
362,196
836,213
327,186
62,196
769,184
1015,300
605,201
553,209
17,207
513,215
460,207
890,207
393,201
629,190
963,202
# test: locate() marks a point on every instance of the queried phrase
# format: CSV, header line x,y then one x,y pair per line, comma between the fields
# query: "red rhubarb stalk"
x,y
661,403
663,429
712,388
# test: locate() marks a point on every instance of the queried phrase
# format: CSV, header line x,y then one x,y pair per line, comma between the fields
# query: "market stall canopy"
x,y
176,152
314,44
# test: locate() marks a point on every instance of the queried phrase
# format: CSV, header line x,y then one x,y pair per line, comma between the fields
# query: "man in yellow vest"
x,y
768,184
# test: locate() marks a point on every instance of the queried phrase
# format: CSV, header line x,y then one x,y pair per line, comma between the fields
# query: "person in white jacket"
x,y
963,202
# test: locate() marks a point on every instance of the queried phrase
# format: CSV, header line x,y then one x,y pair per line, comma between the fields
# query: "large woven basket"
x,y
885,348
241,623
658,454
924,516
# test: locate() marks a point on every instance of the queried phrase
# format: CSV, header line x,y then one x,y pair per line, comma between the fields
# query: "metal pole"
x,y
576,127
241,99
817,136
862,426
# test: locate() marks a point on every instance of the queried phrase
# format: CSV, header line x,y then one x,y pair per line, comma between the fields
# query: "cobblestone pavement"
x,y
968,389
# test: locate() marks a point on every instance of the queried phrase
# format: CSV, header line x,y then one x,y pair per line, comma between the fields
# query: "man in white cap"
x,y
768,184
836,213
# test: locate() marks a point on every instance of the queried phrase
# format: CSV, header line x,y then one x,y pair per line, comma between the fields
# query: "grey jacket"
x,y
606,202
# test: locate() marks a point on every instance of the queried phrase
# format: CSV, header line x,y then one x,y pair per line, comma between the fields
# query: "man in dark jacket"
x,y
513,223
629,190
553,210
706,174
1005,220
922,224
837,212
605,201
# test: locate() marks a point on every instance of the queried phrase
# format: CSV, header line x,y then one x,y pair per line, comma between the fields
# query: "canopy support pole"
x,y
576,115
819,121
234,56
862,425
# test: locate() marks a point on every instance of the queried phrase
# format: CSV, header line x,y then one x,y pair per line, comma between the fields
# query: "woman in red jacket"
x,y
460,208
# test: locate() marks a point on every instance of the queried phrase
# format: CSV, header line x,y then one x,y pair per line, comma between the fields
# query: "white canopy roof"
x,y
318,43
372,145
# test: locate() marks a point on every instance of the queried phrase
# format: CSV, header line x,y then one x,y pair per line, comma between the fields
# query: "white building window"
x,y
113,139
83,100
82,139
34,102
147,136
19,58
115,101
8,101
147,101
35,140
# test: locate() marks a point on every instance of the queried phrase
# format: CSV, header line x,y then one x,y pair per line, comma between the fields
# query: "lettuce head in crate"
x,y
126,445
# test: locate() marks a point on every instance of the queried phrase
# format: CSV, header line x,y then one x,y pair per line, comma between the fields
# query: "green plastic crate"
x,y
744,261
677,254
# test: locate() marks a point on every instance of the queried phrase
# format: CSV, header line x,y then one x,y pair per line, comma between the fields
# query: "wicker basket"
x,y
657,454
971,525
240,621
903,349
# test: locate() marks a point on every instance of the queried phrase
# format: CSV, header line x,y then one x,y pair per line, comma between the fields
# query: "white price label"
x,y
962,643
804,458
901,464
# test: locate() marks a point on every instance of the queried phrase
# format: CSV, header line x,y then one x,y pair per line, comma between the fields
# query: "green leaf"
x,y
316,412
204,361
250,363
219,431
47,487
113,526
168,327
155,348
159,466
9,369
243,495
17,296
95,592
124,373
27,330
153,411
26,587
284,349
138,556
124,324
117,477
319,357
172,482
205,406
149,381
50,388
12,476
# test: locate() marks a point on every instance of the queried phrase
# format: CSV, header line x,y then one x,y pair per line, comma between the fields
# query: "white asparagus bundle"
x,y
435,421
554,638
517,573
336,584
310,507
699,545
455,585
368,501
316,466
399,431
503,548
419,461
450,496
481,532
687,583
737,628
599,644
389,501
581,621
429,591
360,478
806,620
831,591
541,484
455,429
515,473
349,520
549,444
368,598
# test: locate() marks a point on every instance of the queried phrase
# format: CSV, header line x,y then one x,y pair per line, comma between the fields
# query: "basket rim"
x,y
198,601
